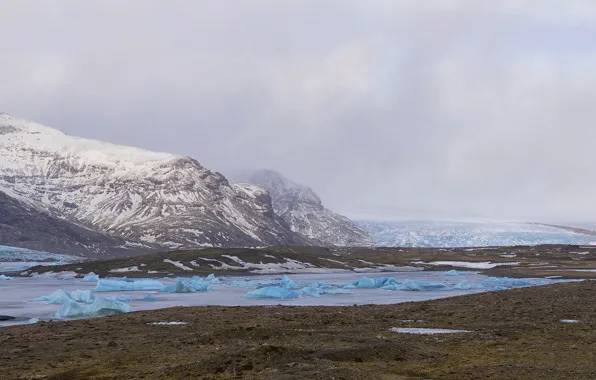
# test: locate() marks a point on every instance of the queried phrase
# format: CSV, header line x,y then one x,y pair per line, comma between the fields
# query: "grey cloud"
x,y
386,108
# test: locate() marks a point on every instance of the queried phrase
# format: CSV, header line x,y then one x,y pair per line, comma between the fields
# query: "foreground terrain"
x,y
515,334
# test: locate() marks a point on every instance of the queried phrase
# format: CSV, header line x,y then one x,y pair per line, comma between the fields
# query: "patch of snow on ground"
x,y
129,269
569,321
414,330
466,264
177,264
337,262
168,323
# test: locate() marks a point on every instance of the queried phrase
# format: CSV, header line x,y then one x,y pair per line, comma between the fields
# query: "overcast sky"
x,y
388,108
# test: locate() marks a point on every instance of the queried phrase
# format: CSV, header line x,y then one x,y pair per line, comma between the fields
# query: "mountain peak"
x,y
303,211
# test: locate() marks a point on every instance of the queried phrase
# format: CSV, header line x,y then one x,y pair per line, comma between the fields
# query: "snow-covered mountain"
x,y
133,194
304,212
446,234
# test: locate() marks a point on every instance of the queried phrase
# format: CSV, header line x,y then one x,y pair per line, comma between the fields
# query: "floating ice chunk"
x,y
91,277
121,285
310,292
334,291
150,298
179,287
393,287
199,285
286,283
212,279
452,272
463,285
365,283
276,292
384,281
320,285
82,296
168,323
413,330
101,307
54,298
505,282
413,285
33,320
348,286
5,278
121,298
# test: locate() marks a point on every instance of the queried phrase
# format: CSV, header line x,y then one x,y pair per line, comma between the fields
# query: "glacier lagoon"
x,y
450,234
233,291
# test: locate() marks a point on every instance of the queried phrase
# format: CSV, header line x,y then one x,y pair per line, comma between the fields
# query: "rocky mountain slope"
x,y
304,212
27,227
133,194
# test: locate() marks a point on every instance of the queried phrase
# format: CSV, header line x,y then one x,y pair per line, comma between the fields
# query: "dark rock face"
x,y
26,227
304,212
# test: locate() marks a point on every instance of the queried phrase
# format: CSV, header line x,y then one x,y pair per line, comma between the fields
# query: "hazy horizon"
x,y
452,110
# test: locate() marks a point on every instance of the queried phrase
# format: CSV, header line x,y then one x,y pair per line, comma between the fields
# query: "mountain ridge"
x,y
133,194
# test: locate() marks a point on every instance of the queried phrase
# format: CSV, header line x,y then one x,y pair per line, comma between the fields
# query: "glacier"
x,y
447,234
15,254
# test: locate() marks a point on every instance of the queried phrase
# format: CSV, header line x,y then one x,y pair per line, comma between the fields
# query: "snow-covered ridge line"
x,y
158,199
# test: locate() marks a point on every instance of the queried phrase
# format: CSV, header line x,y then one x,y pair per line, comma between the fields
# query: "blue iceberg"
x,y
365,283
421,286
320,285
33,320
385,281
150,298
120,298
179,287
310,292
5,278
199,285
82,296
393,287
90,278
101,307
126,284
452,272
463,285
54,298
276,292
500,283
286,283
212,279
